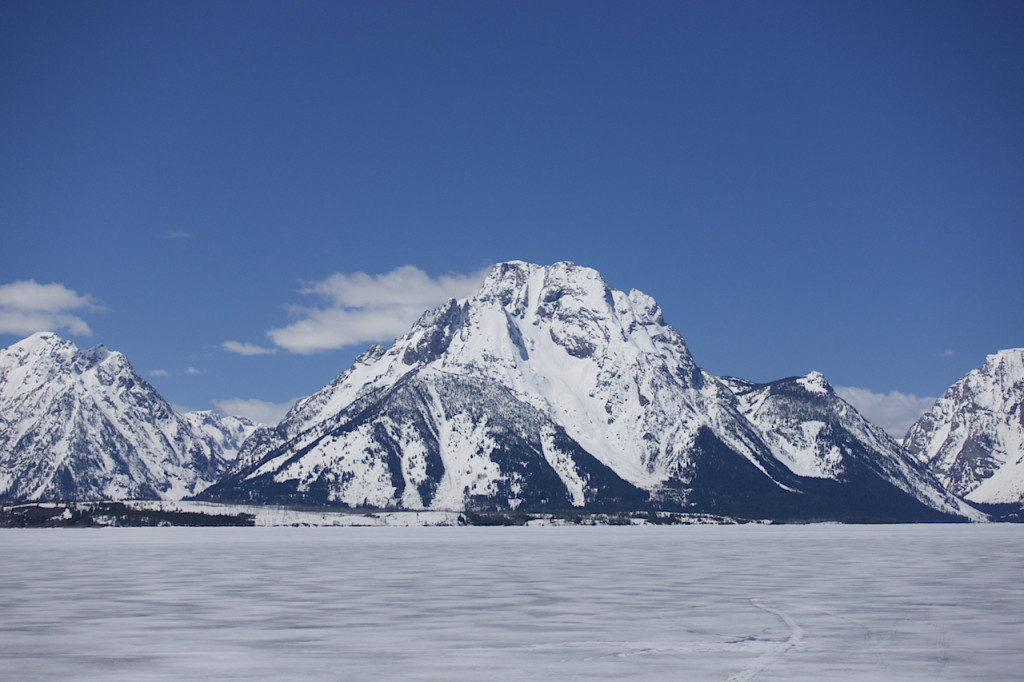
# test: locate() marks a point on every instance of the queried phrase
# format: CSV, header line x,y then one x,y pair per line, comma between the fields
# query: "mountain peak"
x,y
42,337
83,424
1009,361
51,350
41,343
815,382
973,436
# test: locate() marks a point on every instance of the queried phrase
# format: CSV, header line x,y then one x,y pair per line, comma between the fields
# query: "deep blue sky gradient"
x,y
801,185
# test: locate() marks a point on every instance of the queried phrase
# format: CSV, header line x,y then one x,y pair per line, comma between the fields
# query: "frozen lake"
x,y
654,603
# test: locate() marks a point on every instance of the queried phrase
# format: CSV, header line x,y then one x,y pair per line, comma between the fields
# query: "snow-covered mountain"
x,y
973,437
818,435
82,424
549,389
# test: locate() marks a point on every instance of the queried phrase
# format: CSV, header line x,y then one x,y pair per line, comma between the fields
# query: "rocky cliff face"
x,y
973,438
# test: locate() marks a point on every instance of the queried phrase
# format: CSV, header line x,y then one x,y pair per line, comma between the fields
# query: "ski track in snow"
x,y
759,665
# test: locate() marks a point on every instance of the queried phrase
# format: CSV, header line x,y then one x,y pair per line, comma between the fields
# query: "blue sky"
x,y
802,186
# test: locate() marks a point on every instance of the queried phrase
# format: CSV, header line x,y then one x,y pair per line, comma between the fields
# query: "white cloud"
x,y
948,353
175,234
260,411
246,348
159,373
192,370
27,307
893,411
360,308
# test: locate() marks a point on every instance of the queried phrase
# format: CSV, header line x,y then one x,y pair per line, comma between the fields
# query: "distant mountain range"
x,y
546,391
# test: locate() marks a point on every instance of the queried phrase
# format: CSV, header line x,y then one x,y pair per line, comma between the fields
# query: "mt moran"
x,y
549,390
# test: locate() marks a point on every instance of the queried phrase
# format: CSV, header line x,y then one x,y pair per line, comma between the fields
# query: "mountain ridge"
x,y
547,390
601,365
82,424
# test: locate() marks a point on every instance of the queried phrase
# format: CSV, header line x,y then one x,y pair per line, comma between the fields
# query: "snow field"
x,y
924,602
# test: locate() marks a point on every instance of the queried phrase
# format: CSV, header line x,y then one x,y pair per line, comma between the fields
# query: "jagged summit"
x,y
815,382
37,345
548,388
41,339
973,437
82,424
1013,355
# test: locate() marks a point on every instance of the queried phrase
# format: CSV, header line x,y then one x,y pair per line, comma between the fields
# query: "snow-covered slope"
x,y
225,433
81,424
817,434
973,437
546,389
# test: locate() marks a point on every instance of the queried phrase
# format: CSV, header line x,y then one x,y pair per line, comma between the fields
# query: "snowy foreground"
x,y
654,603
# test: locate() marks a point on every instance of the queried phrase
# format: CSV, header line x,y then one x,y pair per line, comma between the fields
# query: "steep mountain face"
x,y
973,437
818,435
224,434
550,389
81,424
433,440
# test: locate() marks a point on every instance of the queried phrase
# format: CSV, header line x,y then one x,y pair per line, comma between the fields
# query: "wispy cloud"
x,y
175,234
260,411
192,370
948,353
159,373
246,348
893,411
360,308
27,307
